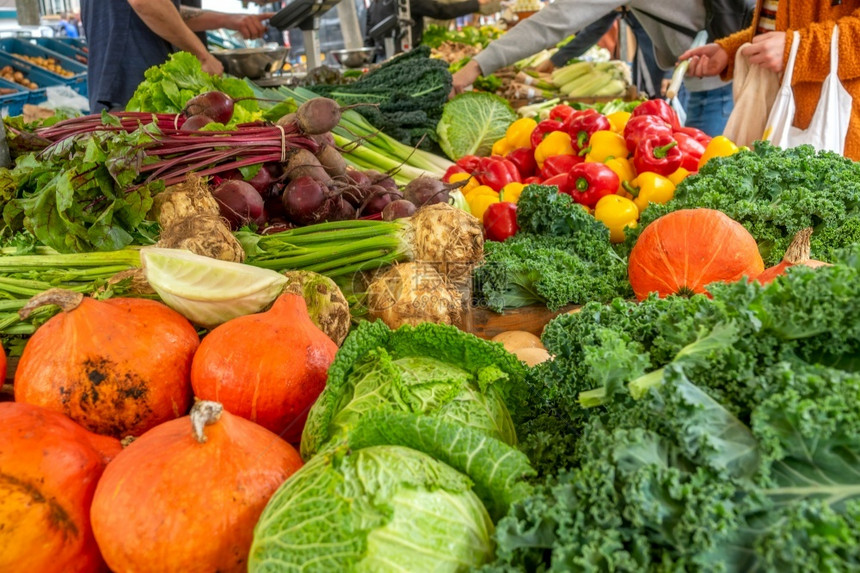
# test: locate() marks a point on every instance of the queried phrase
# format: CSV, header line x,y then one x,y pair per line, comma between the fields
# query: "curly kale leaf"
x,y
554,271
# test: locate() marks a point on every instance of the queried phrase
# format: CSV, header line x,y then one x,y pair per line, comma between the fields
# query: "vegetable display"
x,y
726,435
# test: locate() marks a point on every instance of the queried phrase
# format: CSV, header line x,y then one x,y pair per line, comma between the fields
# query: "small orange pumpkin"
x,y
267,367
796,254
117,367
49,467
186,495
684,251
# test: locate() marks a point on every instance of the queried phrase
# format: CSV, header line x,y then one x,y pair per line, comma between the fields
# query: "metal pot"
x,y
253,63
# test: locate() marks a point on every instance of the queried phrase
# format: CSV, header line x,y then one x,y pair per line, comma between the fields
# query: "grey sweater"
x,y
558,20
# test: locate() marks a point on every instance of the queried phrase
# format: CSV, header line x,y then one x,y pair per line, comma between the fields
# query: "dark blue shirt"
x,y
121,49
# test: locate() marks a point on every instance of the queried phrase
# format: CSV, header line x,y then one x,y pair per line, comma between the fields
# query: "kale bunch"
x,y
560,256
721,434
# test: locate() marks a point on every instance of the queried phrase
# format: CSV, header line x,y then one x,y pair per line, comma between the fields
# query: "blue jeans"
x,y
709,110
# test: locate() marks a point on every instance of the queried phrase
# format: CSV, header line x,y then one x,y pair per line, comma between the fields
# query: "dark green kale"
x,y
403,97
561,256
728,438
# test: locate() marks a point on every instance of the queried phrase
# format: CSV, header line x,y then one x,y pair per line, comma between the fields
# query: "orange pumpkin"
x,y
684,251
49,467
186,495
2,365
267,367
796,254
117,367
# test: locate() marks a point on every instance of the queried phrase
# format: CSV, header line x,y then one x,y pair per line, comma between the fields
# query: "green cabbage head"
x,y
375,509
432,370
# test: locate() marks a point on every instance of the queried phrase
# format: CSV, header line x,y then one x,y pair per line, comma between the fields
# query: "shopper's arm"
x,y
543,30
162,17
249,25
584,39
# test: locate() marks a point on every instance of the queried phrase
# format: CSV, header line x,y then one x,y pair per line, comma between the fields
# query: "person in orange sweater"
x,y
771,32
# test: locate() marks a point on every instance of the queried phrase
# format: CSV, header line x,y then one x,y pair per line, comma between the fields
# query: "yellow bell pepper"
x,y
512,191
678,176
555,143
479,201
502,147
605,144
617,213
479,190
519,133
650,187
457,177
625,171
720,146
618,120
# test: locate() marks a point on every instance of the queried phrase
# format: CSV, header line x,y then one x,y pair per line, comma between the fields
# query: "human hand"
x,y
707,60
211,65
545,67
664,86
465,77
249,25
767,50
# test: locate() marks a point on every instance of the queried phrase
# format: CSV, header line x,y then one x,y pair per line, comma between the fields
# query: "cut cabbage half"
x,y
207,291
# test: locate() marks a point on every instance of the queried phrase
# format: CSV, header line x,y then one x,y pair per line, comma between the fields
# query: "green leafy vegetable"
x,y
208,291
169,86
472,122
739,449
78,196
433,370
380,508
561,256
403,97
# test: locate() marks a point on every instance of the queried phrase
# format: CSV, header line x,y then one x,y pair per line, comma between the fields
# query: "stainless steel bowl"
x,y
252,63
356,58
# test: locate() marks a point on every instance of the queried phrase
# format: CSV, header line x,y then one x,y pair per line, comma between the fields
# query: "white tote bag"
x,y
829,124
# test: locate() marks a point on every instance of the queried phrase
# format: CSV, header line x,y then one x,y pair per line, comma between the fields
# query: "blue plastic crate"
x,y
65,48
38,96
14,103
40,76
78,82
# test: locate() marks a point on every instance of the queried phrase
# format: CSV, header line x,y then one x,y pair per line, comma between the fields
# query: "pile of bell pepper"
x,y
613,165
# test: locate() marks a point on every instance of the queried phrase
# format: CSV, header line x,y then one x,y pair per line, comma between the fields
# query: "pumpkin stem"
x,y
799,250
686,292
67,300
204,413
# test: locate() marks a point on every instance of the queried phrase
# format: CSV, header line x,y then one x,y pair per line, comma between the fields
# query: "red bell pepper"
x,y
469,162
592,181
524,159
496,172
544,127
500,221
451,171
696,134
533,180
561,112
562,181
581,126
643,127
559,164
691,151
659,108
658,154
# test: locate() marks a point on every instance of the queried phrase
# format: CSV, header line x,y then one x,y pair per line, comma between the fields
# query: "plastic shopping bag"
x,y
754,89
829,123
